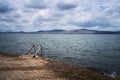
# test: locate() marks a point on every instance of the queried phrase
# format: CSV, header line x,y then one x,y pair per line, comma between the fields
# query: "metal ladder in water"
x,y
37,50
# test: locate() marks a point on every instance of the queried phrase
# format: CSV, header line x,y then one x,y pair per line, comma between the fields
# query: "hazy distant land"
x,y
77,31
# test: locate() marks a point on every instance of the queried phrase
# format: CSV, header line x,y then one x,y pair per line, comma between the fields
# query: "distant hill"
x,y
52,31
77,31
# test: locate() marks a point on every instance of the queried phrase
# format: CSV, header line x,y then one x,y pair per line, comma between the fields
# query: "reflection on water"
x,y
96,51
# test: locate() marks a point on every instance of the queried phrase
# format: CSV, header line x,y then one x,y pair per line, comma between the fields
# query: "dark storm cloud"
x,y
66,6
5,7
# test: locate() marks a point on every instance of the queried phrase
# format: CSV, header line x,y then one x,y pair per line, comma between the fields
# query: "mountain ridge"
x,y
76,31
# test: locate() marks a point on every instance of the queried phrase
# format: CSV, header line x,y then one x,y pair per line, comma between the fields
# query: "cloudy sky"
x,y
34,15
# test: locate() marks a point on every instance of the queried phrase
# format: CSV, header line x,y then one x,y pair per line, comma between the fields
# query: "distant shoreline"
x,y
51,33
59,31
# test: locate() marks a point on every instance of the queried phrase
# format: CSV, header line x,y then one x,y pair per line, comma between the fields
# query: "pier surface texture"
x,y
24,68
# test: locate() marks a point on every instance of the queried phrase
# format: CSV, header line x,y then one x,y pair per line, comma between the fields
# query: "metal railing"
x,y
36,50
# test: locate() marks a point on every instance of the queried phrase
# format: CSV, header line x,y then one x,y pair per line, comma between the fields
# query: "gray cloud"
x,y
36,4
33,15
5,7
115,12
66,6
93,23
6,20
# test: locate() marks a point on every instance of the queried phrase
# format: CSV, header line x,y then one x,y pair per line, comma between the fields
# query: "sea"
x,y
99,52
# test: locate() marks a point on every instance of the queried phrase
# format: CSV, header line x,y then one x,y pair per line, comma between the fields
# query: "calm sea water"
x,y
95,51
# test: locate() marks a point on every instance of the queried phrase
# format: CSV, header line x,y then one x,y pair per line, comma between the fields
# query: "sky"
x,y
35,15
